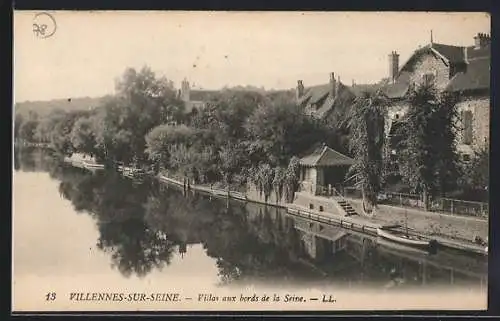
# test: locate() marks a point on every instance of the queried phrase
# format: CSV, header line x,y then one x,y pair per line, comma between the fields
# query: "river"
x,y
74,229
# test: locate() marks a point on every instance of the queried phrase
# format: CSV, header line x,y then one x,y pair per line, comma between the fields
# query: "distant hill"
x,y
45,107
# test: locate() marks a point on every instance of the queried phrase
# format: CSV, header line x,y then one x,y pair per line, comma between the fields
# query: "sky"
x,y
89,50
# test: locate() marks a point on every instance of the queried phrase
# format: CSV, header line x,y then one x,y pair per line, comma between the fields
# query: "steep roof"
x,y
482,52
324,102
314,94
450,54
399,88
476,76
325,156
359,89
454,54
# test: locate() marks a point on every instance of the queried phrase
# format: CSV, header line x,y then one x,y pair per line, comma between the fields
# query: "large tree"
x,y
82,136
278,131
143,101
428,158
366,125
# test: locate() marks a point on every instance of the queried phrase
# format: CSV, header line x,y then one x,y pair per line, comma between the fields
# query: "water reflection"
x,y
143,225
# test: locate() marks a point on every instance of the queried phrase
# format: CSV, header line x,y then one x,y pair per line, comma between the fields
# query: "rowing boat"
x,y
92,165
404,238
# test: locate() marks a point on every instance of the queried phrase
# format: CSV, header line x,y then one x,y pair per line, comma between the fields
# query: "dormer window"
x,y
396,116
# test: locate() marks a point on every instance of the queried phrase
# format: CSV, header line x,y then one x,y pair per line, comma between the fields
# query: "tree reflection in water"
x,y
142,225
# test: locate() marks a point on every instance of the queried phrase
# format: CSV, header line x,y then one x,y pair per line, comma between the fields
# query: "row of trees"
x,y
237,134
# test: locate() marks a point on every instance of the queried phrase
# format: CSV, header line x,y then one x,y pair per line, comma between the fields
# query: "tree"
x,y
60,135
475,177
278,131
366,125
18,121
82,136
428,158
43,132
113,140
27,130
445,151
292,178
157,143
226,115
231,158
143,101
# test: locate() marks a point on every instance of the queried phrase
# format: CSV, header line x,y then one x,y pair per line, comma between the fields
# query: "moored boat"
x,y
404,238
92,165
133,172
404,248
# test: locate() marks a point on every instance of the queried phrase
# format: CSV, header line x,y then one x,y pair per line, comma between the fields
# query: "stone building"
x,y
322,168
194,99
461,70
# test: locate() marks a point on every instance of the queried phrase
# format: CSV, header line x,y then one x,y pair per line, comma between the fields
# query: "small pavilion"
x,y
323,169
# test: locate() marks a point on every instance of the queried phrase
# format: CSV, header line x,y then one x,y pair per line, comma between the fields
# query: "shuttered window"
x,y
467,127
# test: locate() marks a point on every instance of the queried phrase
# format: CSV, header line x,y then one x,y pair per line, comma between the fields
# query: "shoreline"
x,y
358,224
420,223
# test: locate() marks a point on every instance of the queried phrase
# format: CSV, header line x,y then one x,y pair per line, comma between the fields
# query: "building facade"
x,y
464,71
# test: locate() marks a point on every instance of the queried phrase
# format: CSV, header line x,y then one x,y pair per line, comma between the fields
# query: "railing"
x,y
443,205
330,190
460,207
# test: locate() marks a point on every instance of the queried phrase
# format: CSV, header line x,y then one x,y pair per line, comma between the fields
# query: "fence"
x,y
443,205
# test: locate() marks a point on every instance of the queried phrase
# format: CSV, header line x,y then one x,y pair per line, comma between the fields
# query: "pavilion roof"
x,y
325,156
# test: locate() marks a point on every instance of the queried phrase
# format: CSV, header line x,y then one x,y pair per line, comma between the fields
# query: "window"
x,y
429,77
467,127
466,157
321,208
311,206
396,116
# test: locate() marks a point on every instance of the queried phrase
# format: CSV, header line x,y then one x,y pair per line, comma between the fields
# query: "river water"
x,y
80,231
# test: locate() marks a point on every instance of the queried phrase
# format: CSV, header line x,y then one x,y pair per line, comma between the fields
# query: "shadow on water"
x,y
143,225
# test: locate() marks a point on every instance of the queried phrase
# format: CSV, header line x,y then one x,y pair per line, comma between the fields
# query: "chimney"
x,y
481,40
300,89
353,83
466,58
333,85
393,65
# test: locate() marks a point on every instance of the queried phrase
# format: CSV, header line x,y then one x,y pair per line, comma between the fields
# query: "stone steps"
x,y
347,207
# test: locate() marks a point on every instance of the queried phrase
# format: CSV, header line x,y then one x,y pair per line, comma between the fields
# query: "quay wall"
x,y
321,204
